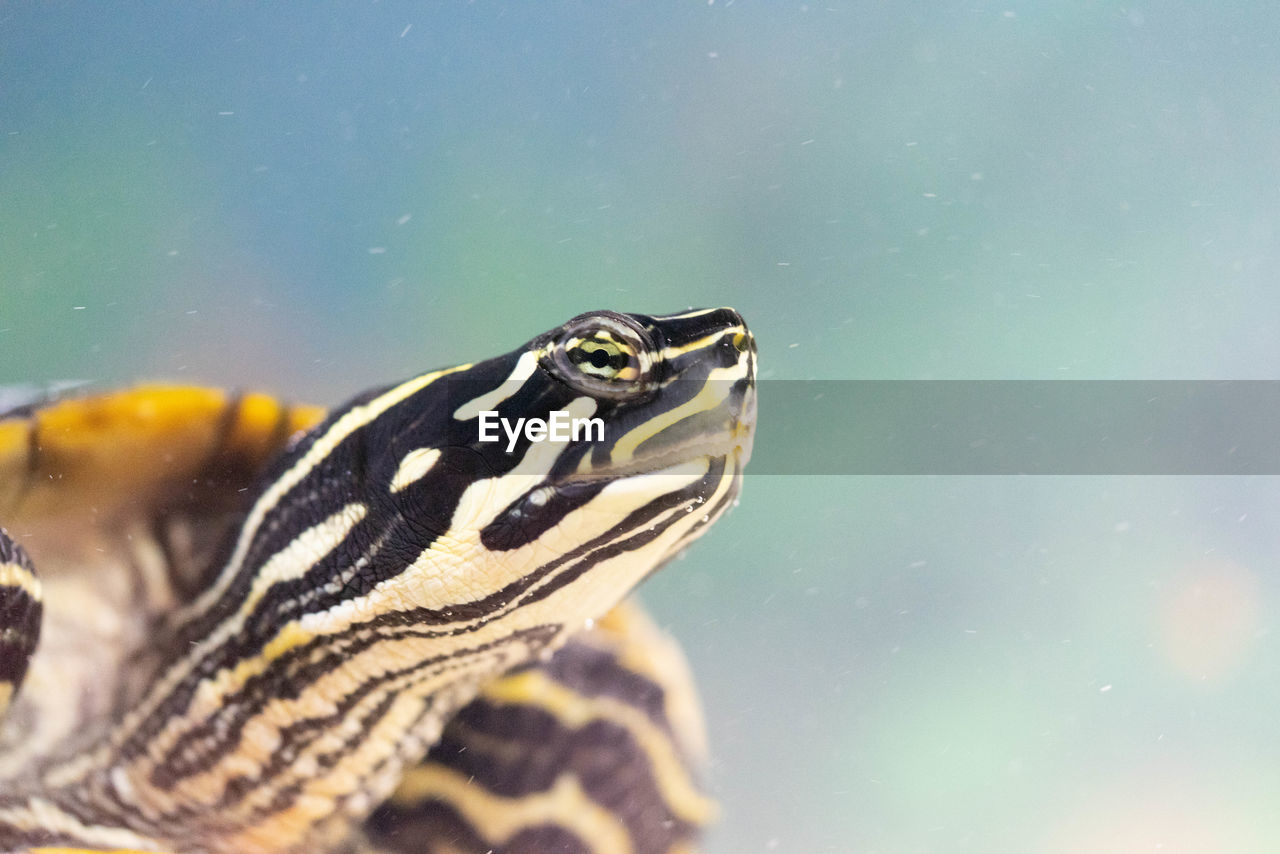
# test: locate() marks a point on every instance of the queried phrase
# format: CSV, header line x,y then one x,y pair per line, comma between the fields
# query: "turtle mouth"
x,y
723,433
734,446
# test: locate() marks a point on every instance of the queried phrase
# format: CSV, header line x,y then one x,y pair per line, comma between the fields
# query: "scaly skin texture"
x,y
276,657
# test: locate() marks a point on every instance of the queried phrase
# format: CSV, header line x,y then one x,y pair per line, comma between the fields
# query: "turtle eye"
x,y
603,356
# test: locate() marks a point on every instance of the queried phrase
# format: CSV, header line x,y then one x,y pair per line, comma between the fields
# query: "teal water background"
x,y
313,198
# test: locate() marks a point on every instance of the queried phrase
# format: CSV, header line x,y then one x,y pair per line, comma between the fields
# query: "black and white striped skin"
x,y
594,751
390,566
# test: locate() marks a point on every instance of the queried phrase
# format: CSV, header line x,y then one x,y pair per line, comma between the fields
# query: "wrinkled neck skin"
x,y
280,739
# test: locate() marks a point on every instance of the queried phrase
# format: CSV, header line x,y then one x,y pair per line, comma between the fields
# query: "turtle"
x,y
262,627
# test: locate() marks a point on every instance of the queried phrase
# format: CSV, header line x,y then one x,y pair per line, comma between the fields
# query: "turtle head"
x,y
606,443
426,537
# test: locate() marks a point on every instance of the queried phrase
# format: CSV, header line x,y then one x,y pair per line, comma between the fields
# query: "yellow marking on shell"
x,y
257,417
6,693
535,688
498,819
109,452
414,467
525,366
16,575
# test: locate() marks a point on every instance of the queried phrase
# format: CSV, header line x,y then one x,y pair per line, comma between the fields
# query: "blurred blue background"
x,y
313,198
